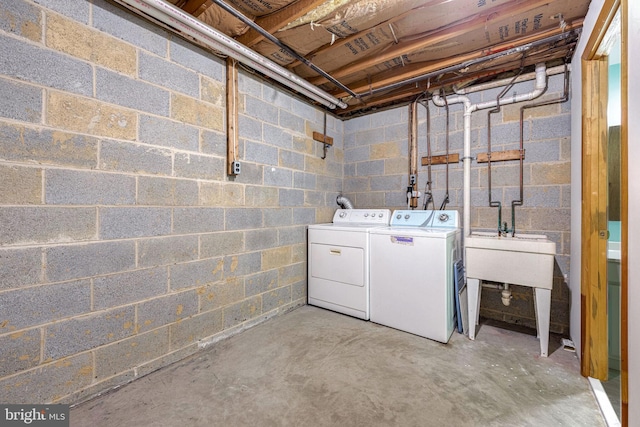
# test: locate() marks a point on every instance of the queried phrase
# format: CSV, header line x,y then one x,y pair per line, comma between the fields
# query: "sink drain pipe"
x,y
506,291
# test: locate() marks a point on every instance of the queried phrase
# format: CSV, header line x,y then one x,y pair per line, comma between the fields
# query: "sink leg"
x,y
473,301
543,313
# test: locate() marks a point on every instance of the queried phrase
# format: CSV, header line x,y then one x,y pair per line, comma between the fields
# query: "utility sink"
x,y
525,260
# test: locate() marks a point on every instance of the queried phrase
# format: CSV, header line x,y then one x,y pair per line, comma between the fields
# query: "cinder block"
x,y
384,150
558,219
221,294
304,180
294,235
260,239
197,220
256,196
277,217
197,113
24,104
249,128
313,198
250,85
299,291
19,351
278,177
88,332
127,92
167,191
50,382
261,110
71,187
196,273
186,54
292,273
19,267
276,257
304,215
306,110
220,244
168,309
22,19
299,251
167,250
260,153
167,74
109,18
242,311
276,97
368,137
291,159
70,8
241,265
34,64
544,196
277,136
554,127
314,164
20,186
251,174
304,145
212,142
49,147
195,328
127,157
375,167
221,194
29,225
187,165
291,197
66,35
126,288
158,131
131,352
354,185
276,298
388,182
88,260
261,282
122,223
23,308
290,121
241,219
551,173
84,115
212,91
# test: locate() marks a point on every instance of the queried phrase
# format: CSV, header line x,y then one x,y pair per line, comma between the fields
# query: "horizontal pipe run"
x,y
212,38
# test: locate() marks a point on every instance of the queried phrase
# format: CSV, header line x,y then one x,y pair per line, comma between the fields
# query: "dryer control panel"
x,y
427,219
362,216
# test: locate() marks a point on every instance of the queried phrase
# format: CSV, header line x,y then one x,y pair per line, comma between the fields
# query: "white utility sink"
x,y
525,260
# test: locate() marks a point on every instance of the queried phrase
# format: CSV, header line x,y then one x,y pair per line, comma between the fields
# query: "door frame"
x,y
593,286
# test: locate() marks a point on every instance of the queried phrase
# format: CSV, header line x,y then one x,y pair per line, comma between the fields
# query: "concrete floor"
x,y
313,367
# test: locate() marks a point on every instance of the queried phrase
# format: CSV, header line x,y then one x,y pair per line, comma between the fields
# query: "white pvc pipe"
x,y
540,87
176,18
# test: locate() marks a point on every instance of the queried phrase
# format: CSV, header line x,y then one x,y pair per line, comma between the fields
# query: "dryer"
x,y
338,260
412,273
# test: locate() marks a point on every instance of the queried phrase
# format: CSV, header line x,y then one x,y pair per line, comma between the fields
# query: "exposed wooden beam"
x,y
410,71
232,115
441,160
499,156
403,48
192,5
274,21
320,137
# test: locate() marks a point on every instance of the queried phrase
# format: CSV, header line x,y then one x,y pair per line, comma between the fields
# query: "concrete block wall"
x,y
377,165
124,246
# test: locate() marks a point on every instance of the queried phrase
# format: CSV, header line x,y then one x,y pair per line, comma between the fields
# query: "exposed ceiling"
x,y
381,53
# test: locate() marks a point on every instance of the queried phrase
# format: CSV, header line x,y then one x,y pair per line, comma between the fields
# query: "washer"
x,y
412,273
338,255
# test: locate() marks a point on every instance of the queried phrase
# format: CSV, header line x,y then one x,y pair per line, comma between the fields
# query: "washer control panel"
x,y
428,219
362,216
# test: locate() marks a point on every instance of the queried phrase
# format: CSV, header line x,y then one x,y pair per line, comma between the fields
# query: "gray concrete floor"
x,y
313,367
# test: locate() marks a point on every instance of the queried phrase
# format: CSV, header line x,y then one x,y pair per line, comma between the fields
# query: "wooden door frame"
x,y
593,286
